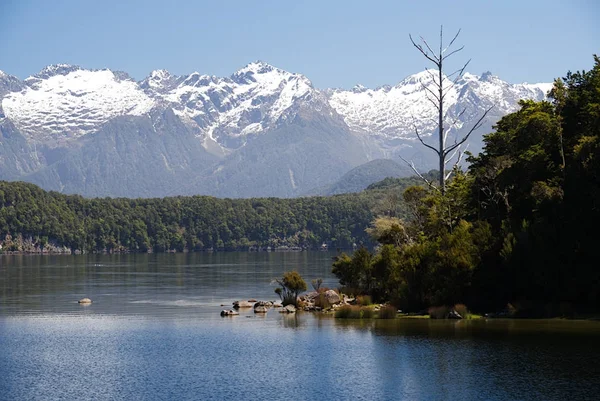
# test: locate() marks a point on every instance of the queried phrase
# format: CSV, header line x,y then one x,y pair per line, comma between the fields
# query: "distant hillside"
x,y
359,178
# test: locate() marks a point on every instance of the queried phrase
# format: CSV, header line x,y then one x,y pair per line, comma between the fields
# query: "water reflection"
x,y
154,331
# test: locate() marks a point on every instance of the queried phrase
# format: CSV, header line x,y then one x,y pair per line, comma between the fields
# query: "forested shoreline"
x,y
515,231
33,220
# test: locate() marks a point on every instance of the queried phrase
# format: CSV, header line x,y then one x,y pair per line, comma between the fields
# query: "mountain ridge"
x,y
323,133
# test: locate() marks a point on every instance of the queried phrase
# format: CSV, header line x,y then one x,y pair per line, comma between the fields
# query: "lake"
x,y
154,333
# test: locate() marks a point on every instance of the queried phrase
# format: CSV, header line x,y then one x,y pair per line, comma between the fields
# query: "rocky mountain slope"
x,y
260,132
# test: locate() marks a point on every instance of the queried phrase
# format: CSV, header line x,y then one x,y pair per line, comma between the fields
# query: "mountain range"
x,y
262,131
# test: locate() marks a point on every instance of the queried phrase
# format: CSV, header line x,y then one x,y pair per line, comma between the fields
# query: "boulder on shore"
x,y
332,297
85,301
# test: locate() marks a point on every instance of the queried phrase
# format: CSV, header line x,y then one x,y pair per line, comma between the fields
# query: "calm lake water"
x,y
154,332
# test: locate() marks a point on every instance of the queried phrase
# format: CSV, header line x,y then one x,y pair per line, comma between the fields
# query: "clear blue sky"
x,y
334,43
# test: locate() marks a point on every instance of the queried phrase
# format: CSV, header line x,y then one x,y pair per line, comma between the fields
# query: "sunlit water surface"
x,y
154,332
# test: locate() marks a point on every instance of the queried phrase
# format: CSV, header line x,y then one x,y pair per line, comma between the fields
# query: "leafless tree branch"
x,y
412,166
436,97
452,41
453,52
432,75
476,126
423,52
427,44
423,142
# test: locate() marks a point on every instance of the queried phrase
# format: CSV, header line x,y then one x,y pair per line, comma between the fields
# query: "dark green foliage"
x,y
291,284
517,228
182,223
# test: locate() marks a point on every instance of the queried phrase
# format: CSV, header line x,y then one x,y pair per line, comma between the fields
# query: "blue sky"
x,y
334,43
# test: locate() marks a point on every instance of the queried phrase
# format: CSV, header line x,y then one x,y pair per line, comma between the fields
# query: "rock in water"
x,y
85,301
262,306
229,312
242,304
288,309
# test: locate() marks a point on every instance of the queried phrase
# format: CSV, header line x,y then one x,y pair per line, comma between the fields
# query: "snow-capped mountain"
x,y
261,131
392,113
64,102
226,111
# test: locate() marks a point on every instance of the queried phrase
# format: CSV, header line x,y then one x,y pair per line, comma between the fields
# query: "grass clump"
x,y
354,312
364,300
322,302
438,312
387,312
462,310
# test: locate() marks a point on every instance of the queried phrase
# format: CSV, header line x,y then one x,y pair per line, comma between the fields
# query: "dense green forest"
x,y
32,220
517,227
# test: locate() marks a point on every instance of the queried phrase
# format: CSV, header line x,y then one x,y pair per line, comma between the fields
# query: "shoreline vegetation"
x,y
512,233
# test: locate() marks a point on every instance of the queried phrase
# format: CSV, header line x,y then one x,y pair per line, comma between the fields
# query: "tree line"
x,y
48,220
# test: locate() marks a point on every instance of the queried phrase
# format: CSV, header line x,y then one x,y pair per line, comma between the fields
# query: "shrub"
x,y
388,312
316,283
344,312
350,291
354,312
438,312
462,310
322,302
291,285
364,300
366,313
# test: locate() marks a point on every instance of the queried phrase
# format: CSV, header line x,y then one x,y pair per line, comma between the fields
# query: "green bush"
x,y
291,284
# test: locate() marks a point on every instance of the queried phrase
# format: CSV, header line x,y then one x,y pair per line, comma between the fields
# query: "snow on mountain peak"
x,y
55,69
394,113
256,67
66,101
251,100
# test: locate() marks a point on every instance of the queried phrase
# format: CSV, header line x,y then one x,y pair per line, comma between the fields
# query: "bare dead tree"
x,y
442,84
